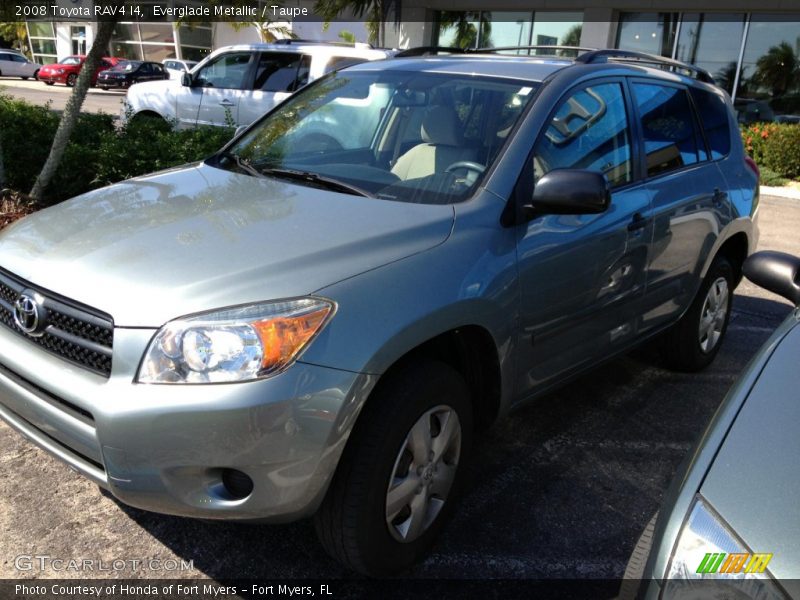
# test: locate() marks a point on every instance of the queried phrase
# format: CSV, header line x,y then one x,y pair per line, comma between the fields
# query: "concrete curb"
x,y
782,192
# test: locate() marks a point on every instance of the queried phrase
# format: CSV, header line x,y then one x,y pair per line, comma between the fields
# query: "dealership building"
x,y
752,49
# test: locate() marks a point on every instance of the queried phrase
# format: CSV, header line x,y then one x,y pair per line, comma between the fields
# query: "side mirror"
x,y
776,272
186,80
569,192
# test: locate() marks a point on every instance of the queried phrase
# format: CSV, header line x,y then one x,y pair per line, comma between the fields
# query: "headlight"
x,y
710,561
235,344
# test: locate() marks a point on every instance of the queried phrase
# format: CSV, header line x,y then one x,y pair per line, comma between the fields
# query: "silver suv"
x,y
289,328
235,85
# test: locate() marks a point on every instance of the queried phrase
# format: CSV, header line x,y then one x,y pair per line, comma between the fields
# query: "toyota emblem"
x,y
26,314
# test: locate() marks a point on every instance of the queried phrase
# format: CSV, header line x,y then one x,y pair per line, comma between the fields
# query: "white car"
x,y
237,84
176,68
14,64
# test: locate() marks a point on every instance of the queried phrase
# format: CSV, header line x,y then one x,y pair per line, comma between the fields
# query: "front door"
x,y
221,84
582,276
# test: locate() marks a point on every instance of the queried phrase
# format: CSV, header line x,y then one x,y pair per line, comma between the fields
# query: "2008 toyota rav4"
x,y
291,328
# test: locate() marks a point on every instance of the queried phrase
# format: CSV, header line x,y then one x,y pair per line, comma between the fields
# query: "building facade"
x,y
752,49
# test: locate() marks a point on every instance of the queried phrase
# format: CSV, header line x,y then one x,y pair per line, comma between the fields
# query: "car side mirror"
x,y
569,192
777,272
186,80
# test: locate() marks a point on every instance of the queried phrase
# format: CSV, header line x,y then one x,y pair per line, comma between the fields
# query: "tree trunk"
x,y
69,118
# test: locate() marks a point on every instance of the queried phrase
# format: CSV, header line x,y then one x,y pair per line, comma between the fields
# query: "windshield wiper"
x,y
316,179
242,163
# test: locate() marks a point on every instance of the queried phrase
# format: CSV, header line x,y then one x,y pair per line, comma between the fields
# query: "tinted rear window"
x,y
670,138
714,117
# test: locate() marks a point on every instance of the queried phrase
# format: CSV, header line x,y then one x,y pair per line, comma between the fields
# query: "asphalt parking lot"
x,y
562,489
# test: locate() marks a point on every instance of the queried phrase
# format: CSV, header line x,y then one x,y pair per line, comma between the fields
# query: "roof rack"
x,y
539,47
429,51
604,56
290,41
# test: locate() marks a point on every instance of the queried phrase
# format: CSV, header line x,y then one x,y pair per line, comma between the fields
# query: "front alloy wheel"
x,y
400,471
423,473
714,315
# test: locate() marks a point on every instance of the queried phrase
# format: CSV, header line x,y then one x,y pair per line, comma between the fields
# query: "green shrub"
x,y
771,178
98,153
775,147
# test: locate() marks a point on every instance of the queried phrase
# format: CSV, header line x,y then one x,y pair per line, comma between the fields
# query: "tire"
x,y
49,82
687,348
354,523
25,79
36,74
71,79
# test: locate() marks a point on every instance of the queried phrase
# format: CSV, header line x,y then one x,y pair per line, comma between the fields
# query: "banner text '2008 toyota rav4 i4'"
x,y
291,329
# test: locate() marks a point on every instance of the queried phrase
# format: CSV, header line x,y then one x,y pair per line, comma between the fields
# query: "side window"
x,y
170,65
670,138
589,131
228,71
145,69
278,72
5,57
714,118
157,68
18,59
340,62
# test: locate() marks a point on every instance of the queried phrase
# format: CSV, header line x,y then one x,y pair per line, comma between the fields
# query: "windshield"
x,y
126,66
411,137
70,60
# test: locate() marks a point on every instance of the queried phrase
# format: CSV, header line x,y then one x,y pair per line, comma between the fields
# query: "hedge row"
x,y
99,153
775,147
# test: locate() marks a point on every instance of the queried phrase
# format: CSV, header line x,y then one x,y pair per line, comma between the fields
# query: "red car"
x,y
66,71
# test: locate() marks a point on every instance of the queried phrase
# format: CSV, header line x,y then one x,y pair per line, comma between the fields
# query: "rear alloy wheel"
x,y
694,341
71,78
400,472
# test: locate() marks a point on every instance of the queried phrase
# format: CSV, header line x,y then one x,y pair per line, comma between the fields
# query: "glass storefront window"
x,y
506,29
43,47
769,80
158,53
129,50
196,35
557,29
161,33
458,29
493,29
712,41
41,29
653,33
197,54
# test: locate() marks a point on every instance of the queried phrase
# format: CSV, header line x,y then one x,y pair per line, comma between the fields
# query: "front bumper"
x,y
113,83
163,447
53,77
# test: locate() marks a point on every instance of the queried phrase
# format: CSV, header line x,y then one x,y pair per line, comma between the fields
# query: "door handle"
x,y
226,102
637,223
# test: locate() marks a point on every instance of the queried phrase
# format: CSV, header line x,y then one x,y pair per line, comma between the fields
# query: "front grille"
x,y
77,333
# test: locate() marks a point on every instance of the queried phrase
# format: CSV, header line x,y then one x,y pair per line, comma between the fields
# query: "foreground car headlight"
x,y
235,344
710,561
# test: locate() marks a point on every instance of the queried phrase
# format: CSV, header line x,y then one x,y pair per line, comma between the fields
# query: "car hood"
x,y
197,238
754,482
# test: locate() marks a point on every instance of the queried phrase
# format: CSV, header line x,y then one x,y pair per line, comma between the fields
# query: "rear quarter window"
x,y
713,114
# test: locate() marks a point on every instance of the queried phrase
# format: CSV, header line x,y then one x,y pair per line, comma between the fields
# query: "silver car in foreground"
x,y
316,319
730,524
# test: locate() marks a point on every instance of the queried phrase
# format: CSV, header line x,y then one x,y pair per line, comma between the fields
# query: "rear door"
x,y
277,76
7,65
582,277
689,197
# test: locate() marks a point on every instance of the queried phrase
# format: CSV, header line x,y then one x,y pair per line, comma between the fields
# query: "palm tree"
x,y
375,13
778,69
17,33
69,118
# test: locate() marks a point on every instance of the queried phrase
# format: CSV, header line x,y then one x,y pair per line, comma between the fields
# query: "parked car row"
x,y
111,73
